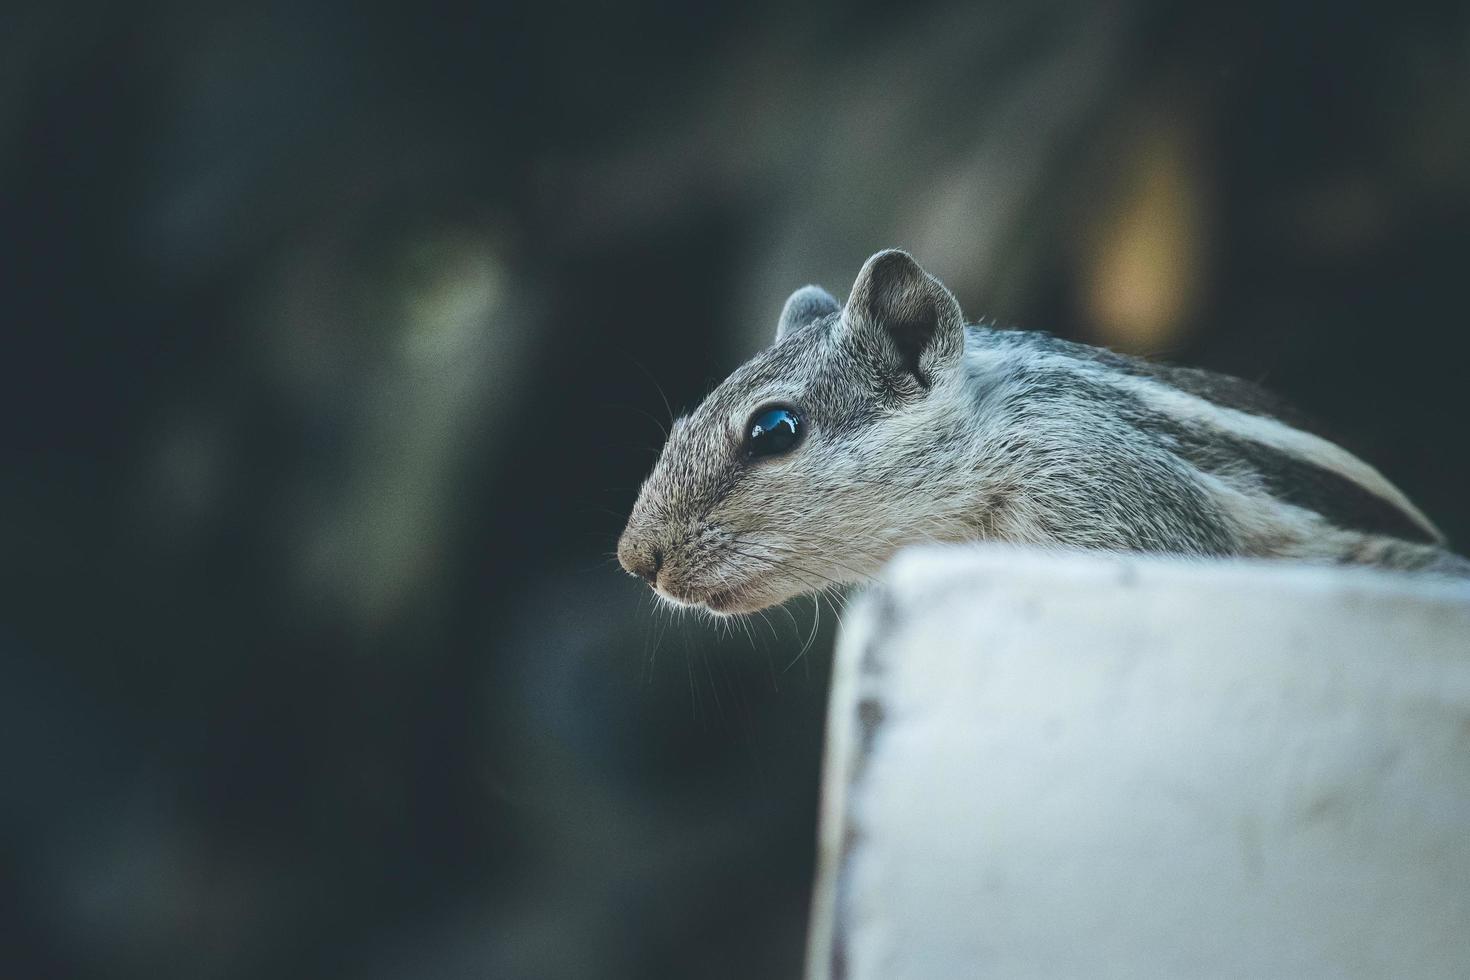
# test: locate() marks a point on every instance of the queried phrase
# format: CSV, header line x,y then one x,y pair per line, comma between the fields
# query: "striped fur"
x,y
923,429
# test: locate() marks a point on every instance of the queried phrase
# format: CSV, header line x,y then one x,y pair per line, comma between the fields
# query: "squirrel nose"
x,y
643,562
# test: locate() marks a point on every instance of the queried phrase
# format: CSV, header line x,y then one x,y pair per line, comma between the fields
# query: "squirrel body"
x,y
901,424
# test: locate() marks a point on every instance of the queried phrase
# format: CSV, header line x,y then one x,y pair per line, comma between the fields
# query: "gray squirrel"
x,y
888,422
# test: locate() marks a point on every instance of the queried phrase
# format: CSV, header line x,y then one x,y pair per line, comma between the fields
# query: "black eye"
x,y
772,431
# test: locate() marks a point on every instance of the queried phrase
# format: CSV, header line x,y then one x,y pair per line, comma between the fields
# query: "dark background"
x,y
333,344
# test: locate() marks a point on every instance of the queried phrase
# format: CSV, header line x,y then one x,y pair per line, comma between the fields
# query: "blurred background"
x,y
338,337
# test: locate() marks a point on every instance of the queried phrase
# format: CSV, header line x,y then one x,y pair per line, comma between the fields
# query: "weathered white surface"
x,y
1064,766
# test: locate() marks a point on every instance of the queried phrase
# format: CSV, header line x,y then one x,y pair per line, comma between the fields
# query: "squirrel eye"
x,y
772,431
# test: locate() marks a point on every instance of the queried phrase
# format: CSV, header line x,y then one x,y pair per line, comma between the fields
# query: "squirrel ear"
x,y
802,307
908,313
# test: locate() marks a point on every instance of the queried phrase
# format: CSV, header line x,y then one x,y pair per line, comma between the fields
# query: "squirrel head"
x,y
798,472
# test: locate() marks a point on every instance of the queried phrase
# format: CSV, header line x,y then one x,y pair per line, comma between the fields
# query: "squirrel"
x,y
888,421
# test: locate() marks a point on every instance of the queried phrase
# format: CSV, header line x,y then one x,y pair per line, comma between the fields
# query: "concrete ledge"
x,y
1077,766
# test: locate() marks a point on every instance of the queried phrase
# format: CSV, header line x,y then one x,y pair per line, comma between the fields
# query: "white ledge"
x,y
1044,765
